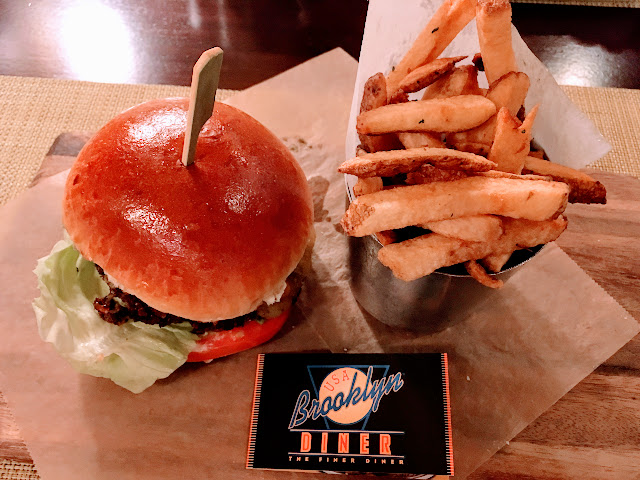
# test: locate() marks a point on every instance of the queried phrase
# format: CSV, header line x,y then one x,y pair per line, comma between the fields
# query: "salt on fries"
x,y
456,166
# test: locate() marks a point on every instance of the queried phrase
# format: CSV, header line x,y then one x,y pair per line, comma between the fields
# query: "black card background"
x,y
418,409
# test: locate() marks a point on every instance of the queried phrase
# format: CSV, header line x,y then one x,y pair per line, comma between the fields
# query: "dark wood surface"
x,y
593,432
155,41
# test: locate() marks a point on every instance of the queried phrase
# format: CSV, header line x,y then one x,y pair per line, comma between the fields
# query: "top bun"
x,y
205,242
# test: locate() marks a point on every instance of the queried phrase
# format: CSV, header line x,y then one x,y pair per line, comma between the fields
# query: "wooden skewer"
x,y
202,97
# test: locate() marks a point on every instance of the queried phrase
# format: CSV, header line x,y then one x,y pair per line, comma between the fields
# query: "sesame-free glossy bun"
x,y
206,242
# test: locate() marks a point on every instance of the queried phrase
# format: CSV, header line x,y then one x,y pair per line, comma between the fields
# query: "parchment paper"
x,y
511,359
565,133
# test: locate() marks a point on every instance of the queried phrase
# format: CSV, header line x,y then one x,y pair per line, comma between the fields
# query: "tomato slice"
x,y
221,343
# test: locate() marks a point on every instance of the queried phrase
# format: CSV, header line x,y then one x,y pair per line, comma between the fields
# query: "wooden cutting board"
x,y
593,432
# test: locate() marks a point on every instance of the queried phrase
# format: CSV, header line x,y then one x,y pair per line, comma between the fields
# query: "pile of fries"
x,y
452,177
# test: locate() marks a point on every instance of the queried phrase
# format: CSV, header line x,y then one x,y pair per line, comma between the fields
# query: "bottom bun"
x,y
220,343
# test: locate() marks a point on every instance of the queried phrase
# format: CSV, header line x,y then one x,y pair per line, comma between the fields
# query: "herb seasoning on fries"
x,y
457,165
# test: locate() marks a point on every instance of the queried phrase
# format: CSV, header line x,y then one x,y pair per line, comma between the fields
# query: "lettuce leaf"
x,y
133,355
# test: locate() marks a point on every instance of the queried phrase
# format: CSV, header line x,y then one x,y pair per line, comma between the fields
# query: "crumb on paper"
x,y
297,144
468,378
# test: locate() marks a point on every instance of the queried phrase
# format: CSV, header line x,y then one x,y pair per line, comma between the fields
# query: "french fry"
x,y
446,23
495,261
499,174
481,276
512,140
461,80
493,18
375,96
537,154
426,74
420,256
429,174
399,97
419,204
394,162
520,234
527,123
481,149
477,61
420,139
476,228
367,185
509,91
481,135
386,237
584,188
452,114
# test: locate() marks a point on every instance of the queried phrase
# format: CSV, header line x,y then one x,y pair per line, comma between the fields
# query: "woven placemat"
x,y
587,3
616,113
34,111
10,470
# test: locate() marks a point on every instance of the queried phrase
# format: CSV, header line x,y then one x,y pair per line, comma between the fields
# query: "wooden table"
x,y
594,431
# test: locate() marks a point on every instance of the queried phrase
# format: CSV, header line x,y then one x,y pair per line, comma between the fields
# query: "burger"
x,y
164,264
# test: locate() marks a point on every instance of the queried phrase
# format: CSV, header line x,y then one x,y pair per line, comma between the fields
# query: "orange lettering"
x,y
385,444
335,379
343,443
345,376
364,443
327,385
325,440
305,442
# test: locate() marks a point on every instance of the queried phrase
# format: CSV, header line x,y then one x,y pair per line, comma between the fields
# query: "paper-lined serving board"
x,y
595,425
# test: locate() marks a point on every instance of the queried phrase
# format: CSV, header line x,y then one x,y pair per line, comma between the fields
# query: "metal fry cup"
x,y
429,304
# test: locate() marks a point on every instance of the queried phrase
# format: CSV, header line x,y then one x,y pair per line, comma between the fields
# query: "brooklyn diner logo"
x,y
346,396
344,399
386,413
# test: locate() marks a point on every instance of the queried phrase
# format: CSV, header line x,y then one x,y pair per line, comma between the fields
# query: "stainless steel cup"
x,y
429,304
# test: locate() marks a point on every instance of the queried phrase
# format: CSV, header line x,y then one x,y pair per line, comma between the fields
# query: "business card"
x,y
373,413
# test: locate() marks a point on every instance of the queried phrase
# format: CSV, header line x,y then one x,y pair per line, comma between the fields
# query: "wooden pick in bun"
x,y
209,243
